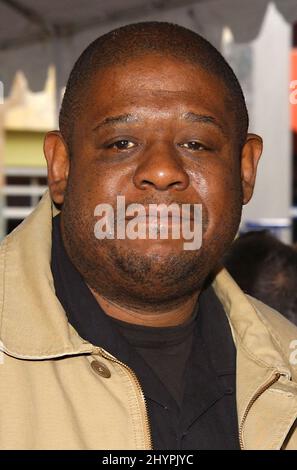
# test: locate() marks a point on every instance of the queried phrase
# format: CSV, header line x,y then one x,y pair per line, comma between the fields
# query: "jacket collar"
x,y
33,324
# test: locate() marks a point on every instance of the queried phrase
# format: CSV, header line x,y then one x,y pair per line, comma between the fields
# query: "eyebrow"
x,y
110,120
194,117
189,116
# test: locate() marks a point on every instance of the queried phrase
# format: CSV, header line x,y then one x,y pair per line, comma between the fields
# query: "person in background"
x,y
266,269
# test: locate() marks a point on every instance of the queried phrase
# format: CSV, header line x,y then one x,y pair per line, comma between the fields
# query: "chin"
x,y
160,248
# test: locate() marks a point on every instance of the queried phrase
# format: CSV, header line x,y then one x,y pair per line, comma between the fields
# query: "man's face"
x,y
154,130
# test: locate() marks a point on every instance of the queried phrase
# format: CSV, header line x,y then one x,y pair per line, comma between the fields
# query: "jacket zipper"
x,y
264,387
148,434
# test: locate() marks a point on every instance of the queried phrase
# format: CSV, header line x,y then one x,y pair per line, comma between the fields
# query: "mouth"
x,y
174,221
171,219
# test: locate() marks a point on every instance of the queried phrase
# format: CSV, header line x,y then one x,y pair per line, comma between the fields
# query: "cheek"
x,y
219,190
94,184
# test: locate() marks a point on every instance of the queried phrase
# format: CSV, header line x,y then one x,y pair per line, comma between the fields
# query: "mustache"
x,y
165,200
185,213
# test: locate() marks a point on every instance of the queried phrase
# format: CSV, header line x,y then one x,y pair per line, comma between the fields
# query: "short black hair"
x,y
139,39
265,268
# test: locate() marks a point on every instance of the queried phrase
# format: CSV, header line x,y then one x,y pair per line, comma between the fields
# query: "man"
x,y
119,342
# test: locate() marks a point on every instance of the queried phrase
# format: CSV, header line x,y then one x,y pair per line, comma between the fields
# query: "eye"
x,y
122,144
193,145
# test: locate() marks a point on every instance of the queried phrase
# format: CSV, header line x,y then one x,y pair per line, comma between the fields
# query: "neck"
x,y
158,318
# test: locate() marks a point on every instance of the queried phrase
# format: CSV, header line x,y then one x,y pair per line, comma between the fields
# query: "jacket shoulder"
x,y
283,331
275,319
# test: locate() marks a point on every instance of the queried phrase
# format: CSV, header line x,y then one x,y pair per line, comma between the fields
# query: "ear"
x,y
57,157
250,155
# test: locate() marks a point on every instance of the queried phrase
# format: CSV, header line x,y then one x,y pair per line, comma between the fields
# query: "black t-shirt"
x,y
187,373
165,349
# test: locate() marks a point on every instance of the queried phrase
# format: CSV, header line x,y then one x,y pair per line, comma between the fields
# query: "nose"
x,y
160,169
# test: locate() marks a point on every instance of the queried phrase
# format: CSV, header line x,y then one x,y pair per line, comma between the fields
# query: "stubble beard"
x,y
128,277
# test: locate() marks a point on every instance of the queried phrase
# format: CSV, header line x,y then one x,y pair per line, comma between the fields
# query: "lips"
x,y
163,219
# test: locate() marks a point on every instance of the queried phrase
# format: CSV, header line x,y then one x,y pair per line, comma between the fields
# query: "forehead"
x,y
156,84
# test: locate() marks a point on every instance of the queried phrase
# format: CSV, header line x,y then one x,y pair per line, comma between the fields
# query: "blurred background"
x,y
40,41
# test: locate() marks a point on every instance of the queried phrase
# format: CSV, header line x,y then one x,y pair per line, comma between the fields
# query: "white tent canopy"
x,y
35,34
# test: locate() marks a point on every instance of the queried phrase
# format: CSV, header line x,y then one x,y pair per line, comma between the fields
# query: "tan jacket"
x,y
57,391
